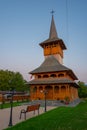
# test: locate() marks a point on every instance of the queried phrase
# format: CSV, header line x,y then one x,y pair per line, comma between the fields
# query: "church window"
x,y
34,89
63,88
48,88
45,76
39,76
56,89
54,45
40,88
47,46
60,75
53,75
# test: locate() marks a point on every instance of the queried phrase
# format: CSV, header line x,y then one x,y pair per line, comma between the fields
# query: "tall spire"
x,y
53,32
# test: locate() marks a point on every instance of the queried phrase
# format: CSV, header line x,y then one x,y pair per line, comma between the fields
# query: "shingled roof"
x,y
48,81
51,64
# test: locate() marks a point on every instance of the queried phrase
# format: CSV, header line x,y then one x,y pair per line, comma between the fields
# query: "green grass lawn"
x,y
7,105
62,118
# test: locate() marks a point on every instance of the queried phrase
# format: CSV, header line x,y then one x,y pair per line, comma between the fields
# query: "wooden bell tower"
x,y
54,45
52,76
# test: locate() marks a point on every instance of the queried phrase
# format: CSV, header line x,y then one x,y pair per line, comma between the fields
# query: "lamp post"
x,y
45,92
45,104
11,109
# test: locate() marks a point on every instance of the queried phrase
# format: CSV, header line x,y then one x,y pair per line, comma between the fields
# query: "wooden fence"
x,y
15,98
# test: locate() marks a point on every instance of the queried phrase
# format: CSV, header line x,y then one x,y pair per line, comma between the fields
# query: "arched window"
x,y
56,89
39,76
34,89
45,76
53,75
48,88
60,75
63,88
40,88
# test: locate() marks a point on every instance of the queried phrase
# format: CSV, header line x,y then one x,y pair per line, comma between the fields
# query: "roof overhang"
x,y
51,81
54,40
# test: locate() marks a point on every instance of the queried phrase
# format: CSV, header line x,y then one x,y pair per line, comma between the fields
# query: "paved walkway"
x,y
5,114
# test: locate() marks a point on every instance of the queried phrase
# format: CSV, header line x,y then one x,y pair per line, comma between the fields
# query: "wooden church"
x,y
52,77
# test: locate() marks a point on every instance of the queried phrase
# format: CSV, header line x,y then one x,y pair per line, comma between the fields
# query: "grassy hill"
x,y
62,118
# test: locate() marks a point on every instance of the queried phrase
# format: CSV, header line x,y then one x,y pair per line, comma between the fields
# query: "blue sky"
x,y
26,23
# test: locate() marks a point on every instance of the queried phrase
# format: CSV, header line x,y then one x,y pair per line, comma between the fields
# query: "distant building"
x,y
52,76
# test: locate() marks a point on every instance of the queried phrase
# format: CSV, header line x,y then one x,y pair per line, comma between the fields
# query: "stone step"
x,y
53,102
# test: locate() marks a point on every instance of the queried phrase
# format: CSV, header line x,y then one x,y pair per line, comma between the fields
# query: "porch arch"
x,y
45,76
56,89
61,75
53,75
49,90
40,88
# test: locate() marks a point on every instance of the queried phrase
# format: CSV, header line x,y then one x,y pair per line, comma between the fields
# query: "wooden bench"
x,y
29,109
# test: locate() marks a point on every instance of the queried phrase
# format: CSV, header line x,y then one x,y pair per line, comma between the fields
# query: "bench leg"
x,y
20,115
24,115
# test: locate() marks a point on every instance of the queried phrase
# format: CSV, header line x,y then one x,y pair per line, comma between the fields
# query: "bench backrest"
x,y
33,107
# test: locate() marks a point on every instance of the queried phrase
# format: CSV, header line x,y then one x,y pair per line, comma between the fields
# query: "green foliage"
x,y
11,80
82,91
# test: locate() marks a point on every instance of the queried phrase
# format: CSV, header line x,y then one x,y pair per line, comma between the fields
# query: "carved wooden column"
x,y
69,91
37,90
60,91
66,91
53,92
32,93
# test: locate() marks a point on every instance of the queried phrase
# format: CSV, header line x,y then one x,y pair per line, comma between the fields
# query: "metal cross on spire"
x,y
53,32
52,12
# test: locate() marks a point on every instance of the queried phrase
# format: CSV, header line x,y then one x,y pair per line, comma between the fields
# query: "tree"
x,y
12,80
82,91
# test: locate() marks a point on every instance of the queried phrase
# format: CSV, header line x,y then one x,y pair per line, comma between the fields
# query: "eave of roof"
x,y
48,69
51,64
46,81
54,40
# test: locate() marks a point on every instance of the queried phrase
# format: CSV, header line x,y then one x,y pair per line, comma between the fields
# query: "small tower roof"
x,y
53,37
53,32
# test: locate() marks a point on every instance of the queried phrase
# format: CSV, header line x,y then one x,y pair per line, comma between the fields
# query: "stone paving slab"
x,y
5,115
